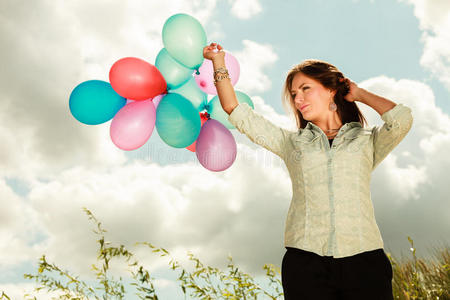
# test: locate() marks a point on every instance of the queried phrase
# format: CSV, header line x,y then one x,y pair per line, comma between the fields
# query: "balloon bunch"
x,y
171,95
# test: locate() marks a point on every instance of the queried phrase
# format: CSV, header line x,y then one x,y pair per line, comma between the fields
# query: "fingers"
x,y
344,79
214,44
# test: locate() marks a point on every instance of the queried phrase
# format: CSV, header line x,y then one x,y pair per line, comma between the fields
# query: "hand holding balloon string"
x,y
210,53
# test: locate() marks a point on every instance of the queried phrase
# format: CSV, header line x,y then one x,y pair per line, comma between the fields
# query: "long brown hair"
x,y
328,75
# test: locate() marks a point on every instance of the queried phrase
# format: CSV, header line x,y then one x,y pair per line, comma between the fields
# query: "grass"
x,y
413,279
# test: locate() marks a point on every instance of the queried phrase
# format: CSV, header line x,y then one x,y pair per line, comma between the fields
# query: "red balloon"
x,y
203,119
136,79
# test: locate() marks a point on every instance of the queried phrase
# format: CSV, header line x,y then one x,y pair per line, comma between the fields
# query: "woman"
x,y
334,246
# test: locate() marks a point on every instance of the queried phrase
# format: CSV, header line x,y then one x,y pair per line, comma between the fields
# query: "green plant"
x,y
420,279
233,284
416,279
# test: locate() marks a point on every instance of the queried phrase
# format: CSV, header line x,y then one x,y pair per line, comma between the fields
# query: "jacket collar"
x,y
311,130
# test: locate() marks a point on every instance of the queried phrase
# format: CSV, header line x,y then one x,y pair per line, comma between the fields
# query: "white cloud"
x,y
434,18
19,235
18,290
245,9
410,184
253,59
402,182
52,47
166,206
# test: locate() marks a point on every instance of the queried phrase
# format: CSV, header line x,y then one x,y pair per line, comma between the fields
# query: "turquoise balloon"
x,y
216,112
94,102
184,38
193,93
173,72
177,121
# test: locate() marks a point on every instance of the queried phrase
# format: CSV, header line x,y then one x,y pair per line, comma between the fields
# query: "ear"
x,y
332,93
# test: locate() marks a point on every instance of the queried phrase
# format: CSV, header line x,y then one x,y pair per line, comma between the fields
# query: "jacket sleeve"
x,y
397,123
258,129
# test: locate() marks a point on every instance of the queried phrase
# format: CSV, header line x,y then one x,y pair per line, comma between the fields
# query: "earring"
x,y
333,106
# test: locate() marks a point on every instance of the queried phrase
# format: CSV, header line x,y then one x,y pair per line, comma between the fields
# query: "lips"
x,y
303,107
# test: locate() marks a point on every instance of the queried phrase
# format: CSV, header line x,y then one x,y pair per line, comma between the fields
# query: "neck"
x,y
331,125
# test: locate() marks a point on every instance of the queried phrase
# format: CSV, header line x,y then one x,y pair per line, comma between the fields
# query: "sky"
x,y
51,165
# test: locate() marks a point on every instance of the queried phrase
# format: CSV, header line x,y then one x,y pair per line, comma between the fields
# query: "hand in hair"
x,y
353,90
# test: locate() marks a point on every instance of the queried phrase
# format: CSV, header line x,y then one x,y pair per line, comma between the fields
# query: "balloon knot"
x,y
197,72
205,116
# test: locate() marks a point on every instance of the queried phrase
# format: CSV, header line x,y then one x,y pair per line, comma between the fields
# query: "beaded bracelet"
x,y
222,70
219,74
220,77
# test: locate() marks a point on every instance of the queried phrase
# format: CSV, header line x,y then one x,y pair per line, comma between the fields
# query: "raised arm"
x,y
225,90
397,119
257,128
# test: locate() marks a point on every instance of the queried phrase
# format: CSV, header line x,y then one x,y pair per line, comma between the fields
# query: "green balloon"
x,y
193,93
216,112
95,102
184,38
173,72
177,121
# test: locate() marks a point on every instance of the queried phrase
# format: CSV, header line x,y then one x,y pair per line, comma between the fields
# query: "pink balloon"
x,y
133,125
216,147
157,99
130,100
205,80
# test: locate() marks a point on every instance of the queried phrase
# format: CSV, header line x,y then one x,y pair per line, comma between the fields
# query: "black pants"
x,y
306,275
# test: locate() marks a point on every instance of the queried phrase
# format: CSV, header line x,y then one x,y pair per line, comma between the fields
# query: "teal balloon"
x,y
94,102
184,38
177,121
193,93
173,72
216,112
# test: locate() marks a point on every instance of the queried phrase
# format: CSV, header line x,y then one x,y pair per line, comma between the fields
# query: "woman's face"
x,y
311,98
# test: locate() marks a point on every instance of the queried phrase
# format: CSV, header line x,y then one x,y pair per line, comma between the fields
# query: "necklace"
x,y
331,134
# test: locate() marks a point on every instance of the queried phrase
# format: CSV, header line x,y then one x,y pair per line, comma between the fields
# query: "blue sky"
x,y
362,38
51,165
